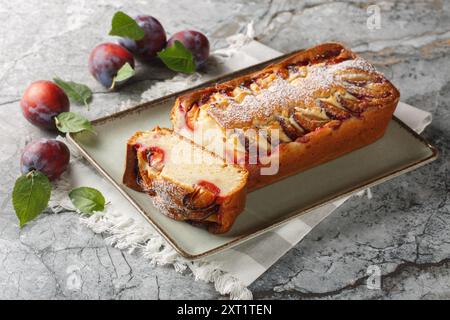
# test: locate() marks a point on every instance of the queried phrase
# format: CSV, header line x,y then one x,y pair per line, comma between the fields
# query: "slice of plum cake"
x,y
185,181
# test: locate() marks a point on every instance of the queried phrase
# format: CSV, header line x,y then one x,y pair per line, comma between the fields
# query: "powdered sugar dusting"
x,y
169,197
282,95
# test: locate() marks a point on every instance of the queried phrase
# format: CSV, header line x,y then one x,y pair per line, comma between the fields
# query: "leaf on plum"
x,y
178,58
124,73
30,196
77,92
123,25
72,122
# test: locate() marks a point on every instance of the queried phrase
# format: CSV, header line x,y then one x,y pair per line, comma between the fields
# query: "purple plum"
x,y
153,41
42,101
105,61
49,156
194,41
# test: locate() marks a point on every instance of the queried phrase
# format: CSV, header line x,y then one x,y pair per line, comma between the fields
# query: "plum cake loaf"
x,y
310,108
185,181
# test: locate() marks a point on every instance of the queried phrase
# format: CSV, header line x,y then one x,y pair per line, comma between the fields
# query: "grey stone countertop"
x,y
404,229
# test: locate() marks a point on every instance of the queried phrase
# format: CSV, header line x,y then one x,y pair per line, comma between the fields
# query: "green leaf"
x,y
77,92
124,26
72,122
124,73
178,58
30,196
87,200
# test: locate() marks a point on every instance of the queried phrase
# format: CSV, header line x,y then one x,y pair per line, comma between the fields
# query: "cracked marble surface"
x,y
403,230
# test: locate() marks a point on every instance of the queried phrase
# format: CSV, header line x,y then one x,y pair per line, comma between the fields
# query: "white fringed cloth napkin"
x,y
233,270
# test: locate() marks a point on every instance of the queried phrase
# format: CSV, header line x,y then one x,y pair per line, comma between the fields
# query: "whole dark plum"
x,y
105,61
153,41
42,101
48,156
194,41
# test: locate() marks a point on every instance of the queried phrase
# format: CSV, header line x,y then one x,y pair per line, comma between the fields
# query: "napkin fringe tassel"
x,y
125,233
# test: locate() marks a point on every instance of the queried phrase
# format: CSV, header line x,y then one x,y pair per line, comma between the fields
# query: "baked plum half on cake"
x,y
319,103
185,181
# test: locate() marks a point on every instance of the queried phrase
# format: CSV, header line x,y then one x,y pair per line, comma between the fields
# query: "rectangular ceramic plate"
x,y
399,151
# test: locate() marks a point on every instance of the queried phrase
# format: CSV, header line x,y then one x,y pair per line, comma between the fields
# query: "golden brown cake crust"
x,y
358,101
131,173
